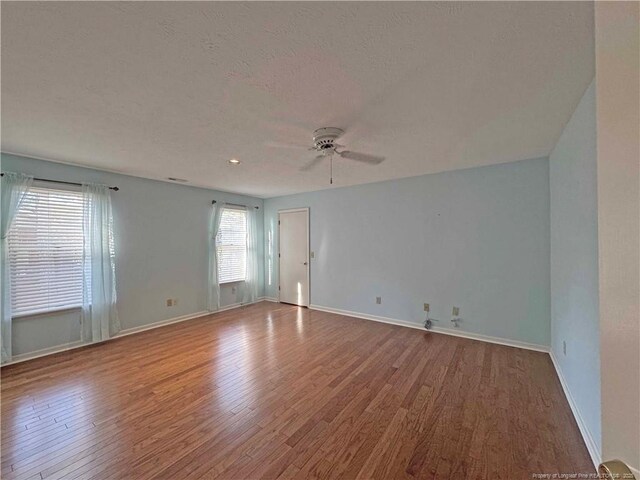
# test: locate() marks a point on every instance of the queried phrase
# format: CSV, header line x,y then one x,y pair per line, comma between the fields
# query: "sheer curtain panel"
x,y
251,280
14,188
99,315
213,290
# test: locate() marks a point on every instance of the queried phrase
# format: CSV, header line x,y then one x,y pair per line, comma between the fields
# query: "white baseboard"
x,y
182,318
594,452
45,351
489,339
123,333
445,331
161,323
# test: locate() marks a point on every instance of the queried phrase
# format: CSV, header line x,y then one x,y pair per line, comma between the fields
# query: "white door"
x,y
294,256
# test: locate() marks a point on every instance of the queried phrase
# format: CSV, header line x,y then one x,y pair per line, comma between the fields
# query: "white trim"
x,y
445,331
229,307
294,210
237,305
233,281
123,333
182,318
47,313
161,323
594,452
23,357
489,339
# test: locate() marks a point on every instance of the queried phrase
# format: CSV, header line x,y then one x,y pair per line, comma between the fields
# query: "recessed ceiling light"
x,y
234,161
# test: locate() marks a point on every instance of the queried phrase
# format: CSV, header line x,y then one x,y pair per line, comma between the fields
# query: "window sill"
x,y
42,313
232,281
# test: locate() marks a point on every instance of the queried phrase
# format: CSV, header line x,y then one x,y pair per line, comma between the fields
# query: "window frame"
x,y
245,215
57,310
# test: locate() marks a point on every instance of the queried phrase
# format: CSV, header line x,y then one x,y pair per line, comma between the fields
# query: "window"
x,y
45,252
231,246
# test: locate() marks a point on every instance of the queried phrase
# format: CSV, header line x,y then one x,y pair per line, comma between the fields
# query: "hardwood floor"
x,y
275,391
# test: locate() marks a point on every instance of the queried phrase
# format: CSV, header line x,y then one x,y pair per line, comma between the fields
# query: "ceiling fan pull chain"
x,y
331,168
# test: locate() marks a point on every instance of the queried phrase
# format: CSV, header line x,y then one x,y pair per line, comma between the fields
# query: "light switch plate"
x,y
313,254
426,307
456,311
378,300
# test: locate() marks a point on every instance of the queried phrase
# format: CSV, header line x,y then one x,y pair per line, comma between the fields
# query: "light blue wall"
x,y
574,261
161,252
476,238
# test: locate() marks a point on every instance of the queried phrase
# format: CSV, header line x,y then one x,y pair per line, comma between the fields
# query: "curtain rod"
x,y
234,204
115,189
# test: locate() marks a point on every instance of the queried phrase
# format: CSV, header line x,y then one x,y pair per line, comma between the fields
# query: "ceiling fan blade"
x,y
295,146
361,157
312,164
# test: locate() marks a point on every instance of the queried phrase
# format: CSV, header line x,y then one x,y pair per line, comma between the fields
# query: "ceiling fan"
x,y
324,143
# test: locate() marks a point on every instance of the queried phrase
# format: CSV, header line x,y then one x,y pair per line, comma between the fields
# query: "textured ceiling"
x,y
176,89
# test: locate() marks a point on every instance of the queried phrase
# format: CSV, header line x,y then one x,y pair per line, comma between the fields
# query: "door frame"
x,y
308,245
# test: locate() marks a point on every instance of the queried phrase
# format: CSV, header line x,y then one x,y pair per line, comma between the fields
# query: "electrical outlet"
x,y
378,300
456,311
564,347
313,254
426,307
169,302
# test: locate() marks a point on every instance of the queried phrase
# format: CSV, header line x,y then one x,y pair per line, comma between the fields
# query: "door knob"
x,y
305,263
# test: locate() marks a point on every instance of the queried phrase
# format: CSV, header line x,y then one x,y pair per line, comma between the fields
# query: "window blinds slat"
x,y
231,246
45,252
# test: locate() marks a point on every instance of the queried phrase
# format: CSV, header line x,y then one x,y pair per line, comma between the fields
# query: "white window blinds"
x,y
231,246
45,252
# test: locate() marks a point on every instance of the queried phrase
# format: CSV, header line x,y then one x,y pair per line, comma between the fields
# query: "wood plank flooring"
x,y
276,391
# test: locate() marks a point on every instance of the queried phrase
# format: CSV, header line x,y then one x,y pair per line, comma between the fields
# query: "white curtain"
x,y
250,294
213,291
99,315
14,188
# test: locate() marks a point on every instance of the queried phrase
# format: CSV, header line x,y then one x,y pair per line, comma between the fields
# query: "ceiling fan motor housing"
x,y
324,138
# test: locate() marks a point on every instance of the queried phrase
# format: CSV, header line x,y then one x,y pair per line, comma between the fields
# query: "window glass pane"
x,y
231,246
45,252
